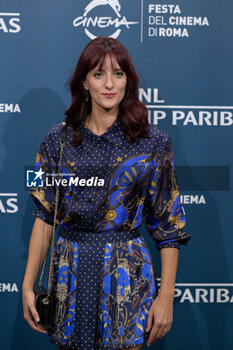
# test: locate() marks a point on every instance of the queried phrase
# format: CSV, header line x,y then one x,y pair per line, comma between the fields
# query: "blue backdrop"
x,y
183,54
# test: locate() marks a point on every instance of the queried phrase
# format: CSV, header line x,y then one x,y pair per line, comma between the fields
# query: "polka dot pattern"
x,y
104,277
109,271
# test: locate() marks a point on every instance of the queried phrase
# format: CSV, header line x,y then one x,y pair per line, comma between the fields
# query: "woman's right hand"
x,y
29,308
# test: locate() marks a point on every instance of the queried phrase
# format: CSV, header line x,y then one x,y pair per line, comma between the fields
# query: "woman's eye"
x,y
119,74
97,75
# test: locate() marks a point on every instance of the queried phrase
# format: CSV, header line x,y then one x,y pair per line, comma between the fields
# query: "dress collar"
x,y
113,134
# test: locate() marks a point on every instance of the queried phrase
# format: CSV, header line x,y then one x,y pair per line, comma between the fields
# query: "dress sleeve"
x,y
165,217
44,196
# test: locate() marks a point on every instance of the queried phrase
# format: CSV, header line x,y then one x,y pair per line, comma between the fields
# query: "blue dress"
x,y
104,279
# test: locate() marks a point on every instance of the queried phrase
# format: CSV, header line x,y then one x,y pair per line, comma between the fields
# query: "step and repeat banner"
x,y
182,51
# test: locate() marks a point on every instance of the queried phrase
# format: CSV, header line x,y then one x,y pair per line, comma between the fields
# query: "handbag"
x,y
44,299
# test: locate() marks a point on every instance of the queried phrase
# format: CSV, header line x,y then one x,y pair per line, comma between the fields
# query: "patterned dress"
x,y
104,278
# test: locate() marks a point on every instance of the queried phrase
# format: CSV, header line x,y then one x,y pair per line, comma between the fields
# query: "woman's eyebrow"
x,y
103,70
97,69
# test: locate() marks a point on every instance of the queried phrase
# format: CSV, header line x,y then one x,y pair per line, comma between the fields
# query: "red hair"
x,y
132,112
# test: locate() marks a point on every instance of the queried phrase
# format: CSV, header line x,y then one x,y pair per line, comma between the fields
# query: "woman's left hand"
x,y
160,317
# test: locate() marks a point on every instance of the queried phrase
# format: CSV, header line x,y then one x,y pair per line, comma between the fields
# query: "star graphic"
x,y
39,174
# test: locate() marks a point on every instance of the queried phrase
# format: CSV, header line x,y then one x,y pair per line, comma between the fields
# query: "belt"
x,y
100,237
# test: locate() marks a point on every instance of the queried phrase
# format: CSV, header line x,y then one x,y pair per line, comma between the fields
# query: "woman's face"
x,y
106,85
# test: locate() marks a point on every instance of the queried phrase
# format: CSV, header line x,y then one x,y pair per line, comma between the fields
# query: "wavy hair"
x,y
132,112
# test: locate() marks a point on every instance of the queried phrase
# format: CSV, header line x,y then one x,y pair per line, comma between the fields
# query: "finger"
x,y
149,322
34,313
42,328
34,317
34,325
162,332
39,328
158,333
152,334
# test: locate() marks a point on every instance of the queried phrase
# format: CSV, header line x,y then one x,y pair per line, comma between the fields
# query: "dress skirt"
x,y
104,285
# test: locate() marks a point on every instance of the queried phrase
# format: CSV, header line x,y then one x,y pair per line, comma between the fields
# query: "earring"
x,y
86,96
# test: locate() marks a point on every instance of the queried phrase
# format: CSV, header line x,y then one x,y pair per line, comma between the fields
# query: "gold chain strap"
x,y
62,144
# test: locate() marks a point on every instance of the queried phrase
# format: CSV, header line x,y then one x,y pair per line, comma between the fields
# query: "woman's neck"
x,y
98,122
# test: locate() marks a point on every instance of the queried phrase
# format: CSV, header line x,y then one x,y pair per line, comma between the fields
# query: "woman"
x,y
104,279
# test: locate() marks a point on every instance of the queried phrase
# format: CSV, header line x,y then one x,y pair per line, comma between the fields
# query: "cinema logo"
x,y
8,203
8,287
10,22
204,292
183,114
192,199
163,18
9,108
90,21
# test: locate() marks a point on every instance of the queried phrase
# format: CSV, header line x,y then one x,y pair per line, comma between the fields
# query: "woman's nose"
x,y
109,81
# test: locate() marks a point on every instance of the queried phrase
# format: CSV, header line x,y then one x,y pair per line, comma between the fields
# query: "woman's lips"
x,y
109,95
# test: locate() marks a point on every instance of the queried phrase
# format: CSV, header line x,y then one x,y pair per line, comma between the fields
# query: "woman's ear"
x,y
85,85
